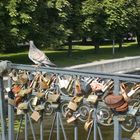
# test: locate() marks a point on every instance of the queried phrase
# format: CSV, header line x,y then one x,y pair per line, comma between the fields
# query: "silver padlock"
x,y
134,109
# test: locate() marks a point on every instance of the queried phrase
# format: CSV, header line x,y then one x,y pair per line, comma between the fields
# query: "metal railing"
x,y
8,132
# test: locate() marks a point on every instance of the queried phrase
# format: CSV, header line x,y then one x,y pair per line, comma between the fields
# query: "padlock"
x,y
63,83
23,78
107,85
96,86
121,118
11,102
73,106
24,92
92,98
78,89
54,106
70,87
34,101
89,121
16,89
40,95
44,83
73,118
20,112
134,109
133,90
17,100
53,97
77,99
23,106
35,116
39,107
11,95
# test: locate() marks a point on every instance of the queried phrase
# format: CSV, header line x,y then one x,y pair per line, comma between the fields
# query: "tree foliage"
x,y
51,23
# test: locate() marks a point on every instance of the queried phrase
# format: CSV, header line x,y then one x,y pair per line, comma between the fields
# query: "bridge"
x,y
25,84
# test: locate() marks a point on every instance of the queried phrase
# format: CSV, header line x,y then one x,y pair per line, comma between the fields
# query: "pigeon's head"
x,y
31,42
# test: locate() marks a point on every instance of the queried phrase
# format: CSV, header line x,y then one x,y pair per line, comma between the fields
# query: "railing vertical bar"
x,y
63,130
52,127
2,111
117,127
26,126
32,128
10,116
41,126
76,130
20,125
58,126
95,123
100,134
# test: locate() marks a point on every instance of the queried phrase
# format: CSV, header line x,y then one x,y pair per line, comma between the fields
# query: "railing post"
x,y
117,127
10,116
2,111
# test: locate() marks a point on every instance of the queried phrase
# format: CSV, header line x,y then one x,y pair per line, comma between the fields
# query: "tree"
x,y
95,21
134,14
117,19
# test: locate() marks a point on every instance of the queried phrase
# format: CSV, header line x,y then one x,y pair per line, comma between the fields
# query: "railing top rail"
x,y
63,71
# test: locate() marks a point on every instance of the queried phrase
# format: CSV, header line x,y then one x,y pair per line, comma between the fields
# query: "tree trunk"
x,y
96,43
138,39
97,46
120,43
69,47
84,40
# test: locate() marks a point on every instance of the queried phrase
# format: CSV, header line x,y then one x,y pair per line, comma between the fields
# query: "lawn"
x,y
80,54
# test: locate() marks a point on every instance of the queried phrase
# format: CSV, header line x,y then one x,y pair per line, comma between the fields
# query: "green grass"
x,y
80,54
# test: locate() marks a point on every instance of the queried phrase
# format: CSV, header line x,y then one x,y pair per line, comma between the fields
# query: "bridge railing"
x,y
33,74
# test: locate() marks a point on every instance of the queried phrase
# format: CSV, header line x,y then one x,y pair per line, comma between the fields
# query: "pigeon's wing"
x,y
47,62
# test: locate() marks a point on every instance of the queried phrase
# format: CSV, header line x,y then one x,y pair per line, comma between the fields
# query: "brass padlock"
x,y
11,102
23,78
73,106
23,106
53,97
40,95
35,116
89,121
24,92
77,99
20,112
92,98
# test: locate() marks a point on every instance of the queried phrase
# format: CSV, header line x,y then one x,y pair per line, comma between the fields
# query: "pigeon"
x,y
38,57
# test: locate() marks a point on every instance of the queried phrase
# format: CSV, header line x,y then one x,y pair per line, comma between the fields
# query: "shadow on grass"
x,y
79,56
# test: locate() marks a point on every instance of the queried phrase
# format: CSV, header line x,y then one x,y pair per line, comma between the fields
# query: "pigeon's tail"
x,y
50,64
